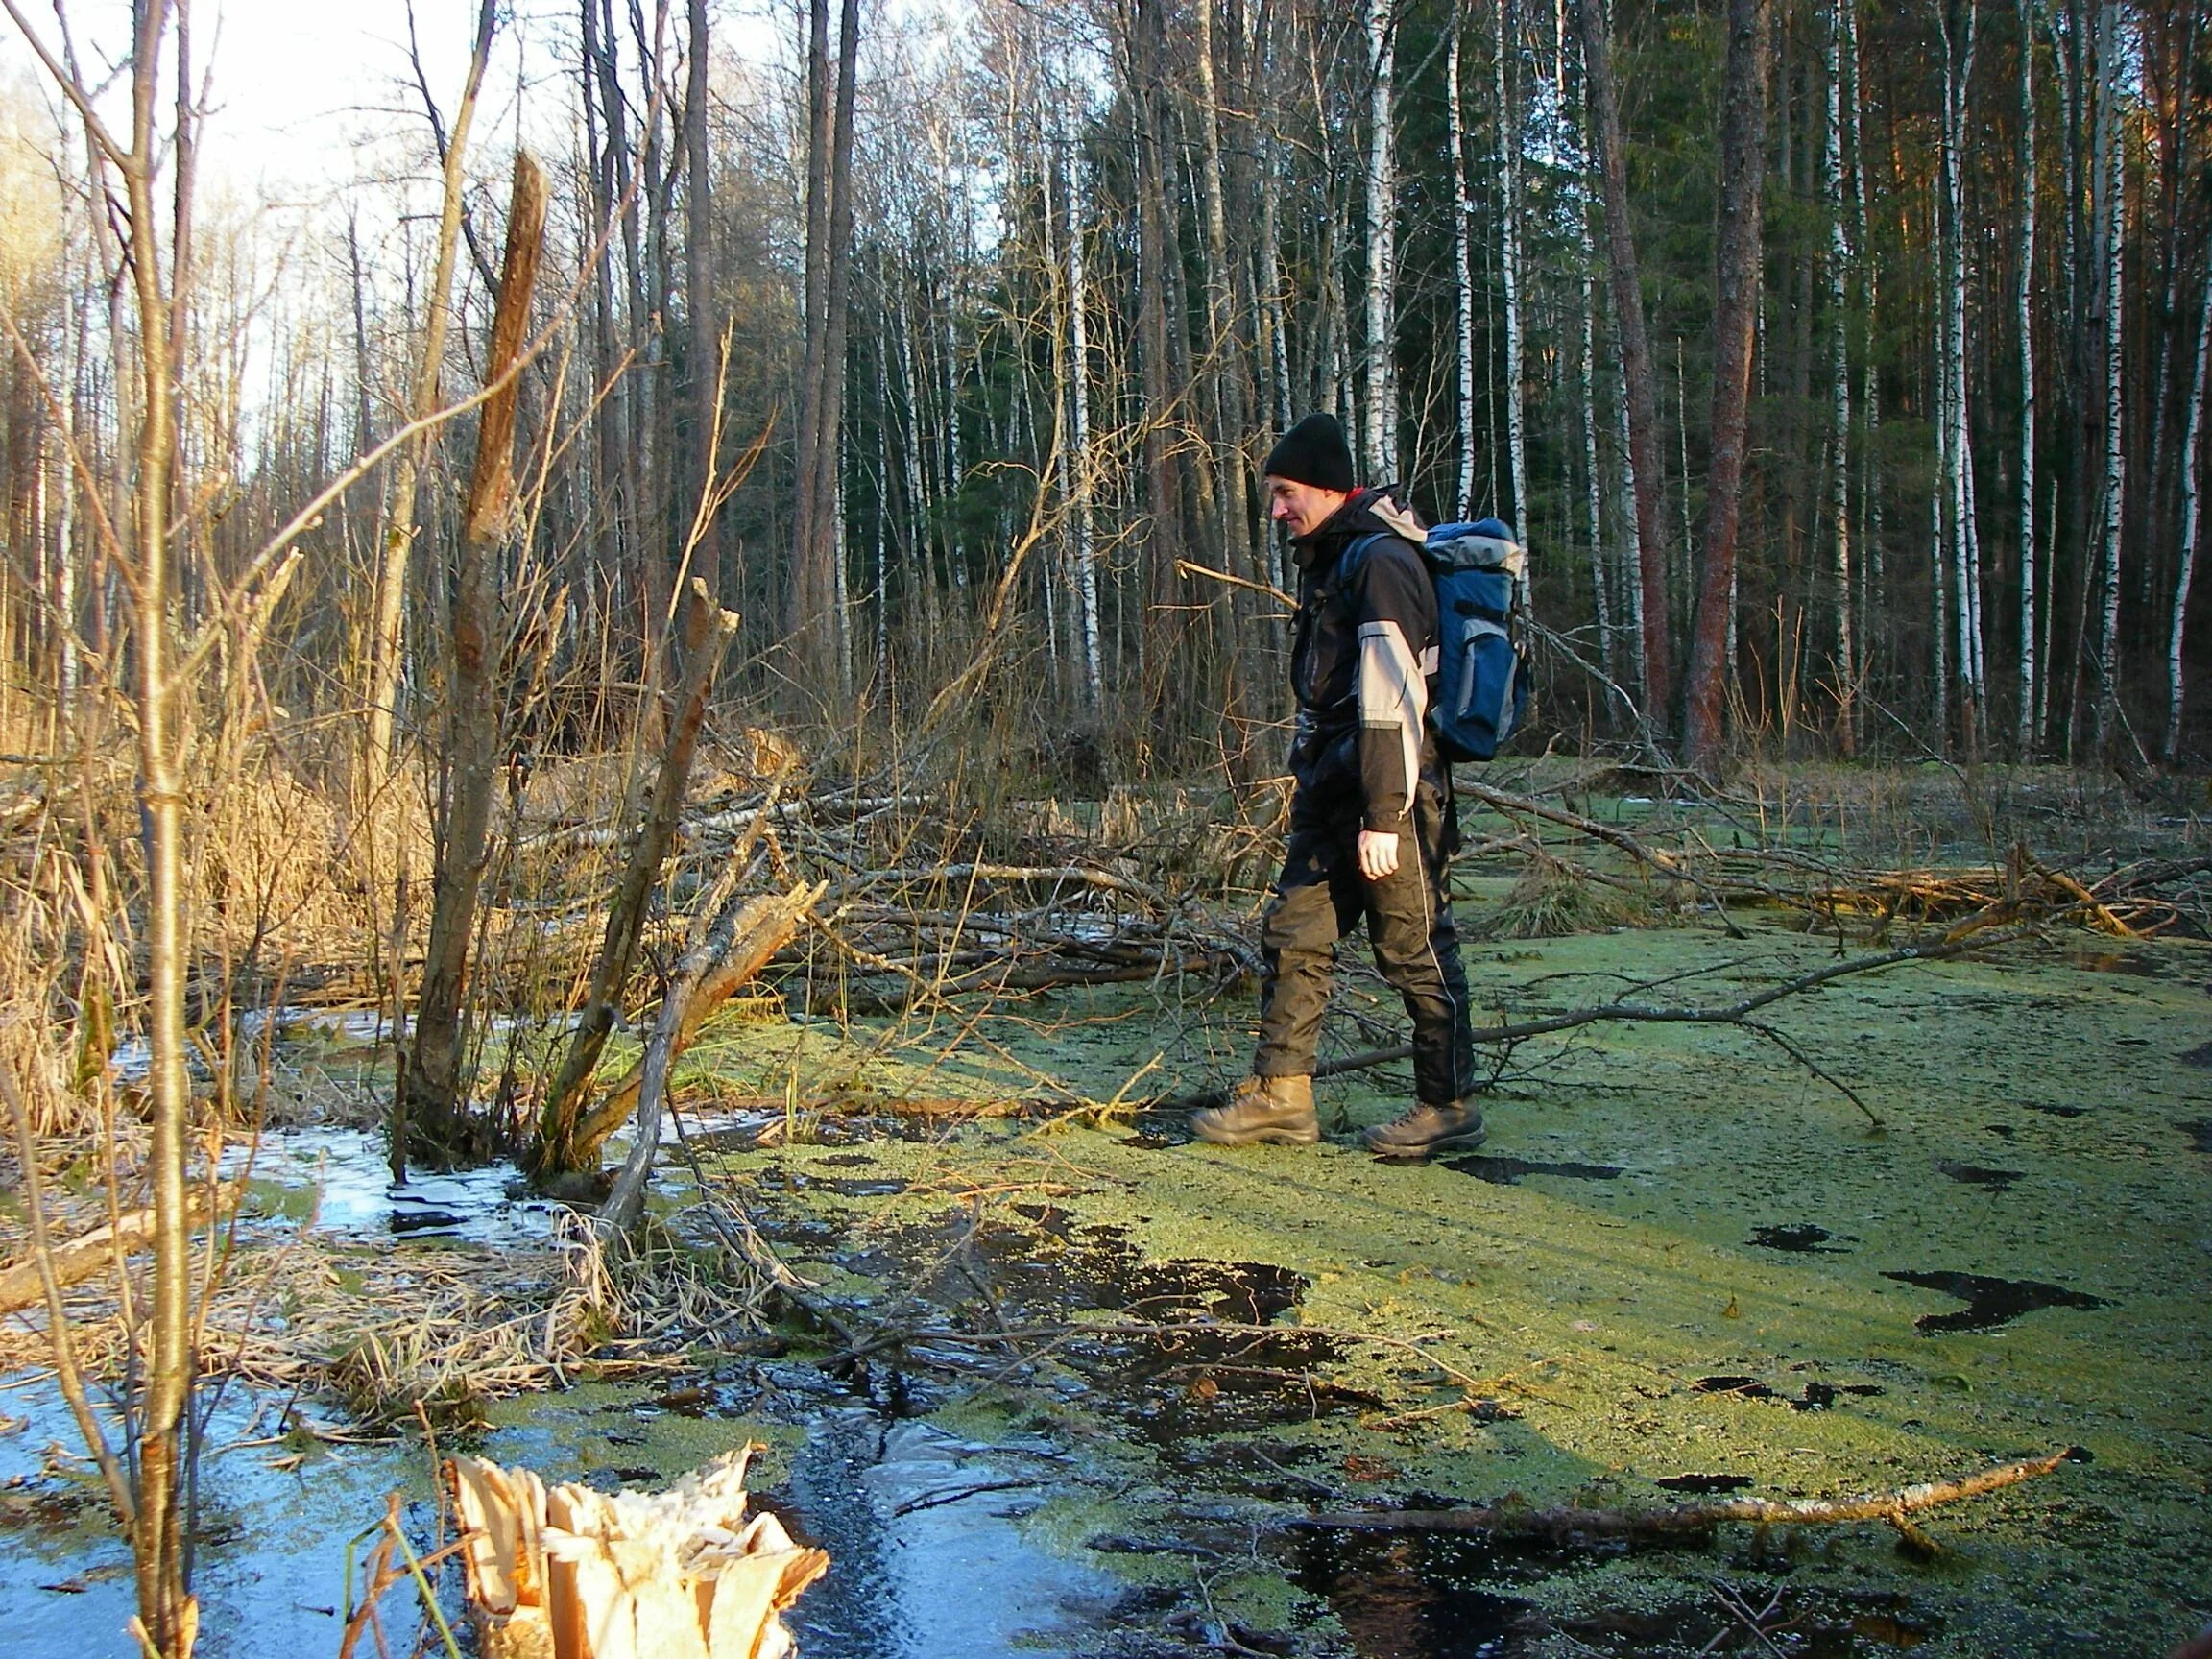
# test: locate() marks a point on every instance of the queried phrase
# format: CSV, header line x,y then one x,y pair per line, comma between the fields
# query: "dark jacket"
x,y
1361,660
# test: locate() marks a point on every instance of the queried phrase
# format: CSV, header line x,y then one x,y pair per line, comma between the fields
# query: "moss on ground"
x,y
1676,1258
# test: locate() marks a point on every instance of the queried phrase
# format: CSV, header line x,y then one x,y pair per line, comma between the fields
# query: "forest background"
x,y
1003,303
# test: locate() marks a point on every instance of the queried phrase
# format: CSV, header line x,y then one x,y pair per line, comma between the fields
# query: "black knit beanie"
x,y
1312,452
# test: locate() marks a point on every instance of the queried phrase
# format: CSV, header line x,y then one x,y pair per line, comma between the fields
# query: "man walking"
x,y
1371,818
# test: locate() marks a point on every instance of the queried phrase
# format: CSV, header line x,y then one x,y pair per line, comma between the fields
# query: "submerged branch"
x,y
1520,1520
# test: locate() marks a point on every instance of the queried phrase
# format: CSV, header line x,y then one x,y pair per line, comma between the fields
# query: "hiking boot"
x,y
1277,1109
1427,1129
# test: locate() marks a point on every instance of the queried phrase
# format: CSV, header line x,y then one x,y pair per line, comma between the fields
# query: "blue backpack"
x,y
1482,670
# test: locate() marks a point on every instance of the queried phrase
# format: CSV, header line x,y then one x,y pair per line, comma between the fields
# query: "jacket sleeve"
x,y
1396,609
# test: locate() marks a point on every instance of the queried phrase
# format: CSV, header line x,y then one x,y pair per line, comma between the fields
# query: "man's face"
x,y
1302,508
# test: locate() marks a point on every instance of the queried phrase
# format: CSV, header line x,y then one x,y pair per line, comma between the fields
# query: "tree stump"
x,y
568,1572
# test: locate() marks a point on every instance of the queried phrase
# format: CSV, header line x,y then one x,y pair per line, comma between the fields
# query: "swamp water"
x,y
1685,1266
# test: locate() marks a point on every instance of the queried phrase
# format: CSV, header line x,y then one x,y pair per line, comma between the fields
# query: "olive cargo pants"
x,y
1320,897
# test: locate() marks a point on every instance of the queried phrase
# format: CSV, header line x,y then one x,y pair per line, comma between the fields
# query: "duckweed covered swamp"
x,y
1045,1377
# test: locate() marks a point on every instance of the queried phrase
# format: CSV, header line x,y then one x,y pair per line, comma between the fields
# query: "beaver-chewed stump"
x,y
568,1572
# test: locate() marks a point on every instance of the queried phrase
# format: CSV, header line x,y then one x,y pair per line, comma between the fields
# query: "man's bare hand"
x,y
1378,854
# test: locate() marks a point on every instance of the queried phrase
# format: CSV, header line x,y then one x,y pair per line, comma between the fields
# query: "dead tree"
x,y
708,631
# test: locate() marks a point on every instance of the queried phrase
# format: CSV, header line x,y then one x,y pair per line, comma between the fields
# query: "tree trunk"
x,y
2185,563
808,606
1960,540
2112,69
708,631
166,1609
1462,270
1507,116
1379,427
437,1121
1735,319
394,545
1839,388
699,302
2028,734
1078,375
1646,477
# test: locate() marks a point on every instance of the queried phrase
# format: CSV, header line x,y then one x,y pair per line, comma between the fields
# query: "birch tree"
x,y
1379,424
2027,735
2112,159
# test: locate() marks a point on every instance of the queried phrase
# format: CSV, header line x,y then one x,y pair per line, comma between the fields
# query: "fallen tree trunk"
x,y
22,1284
568,1572
1520,1520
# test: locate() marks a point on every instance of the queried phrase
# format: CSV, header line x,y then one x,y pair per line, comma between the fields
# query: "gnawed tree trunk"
x,y
1735,318
739,942
568,1572
430,1114
708,631
740,939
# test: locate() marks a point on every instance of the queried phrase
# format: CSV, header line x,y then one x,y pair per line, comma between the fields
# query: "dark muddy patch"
x,y
1198,1348
1801,1238
1505,1172
2199,1132
1974,1175
1741,1618
1704,1485
1990,1303
1416,1595
1815,1396
2200,1056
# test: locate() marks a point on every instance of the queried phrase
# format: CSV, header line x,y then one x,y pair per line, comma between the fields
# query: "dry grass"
x,y
385,1333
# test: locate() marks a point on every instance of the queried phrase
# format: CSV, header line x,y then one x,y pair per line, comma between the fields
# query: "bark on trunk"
x,y
1462,271
1735,319
2192,495
1509,119
397,539
1840,392
1644,474
705,345
1379,430
2027,734
2112,69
